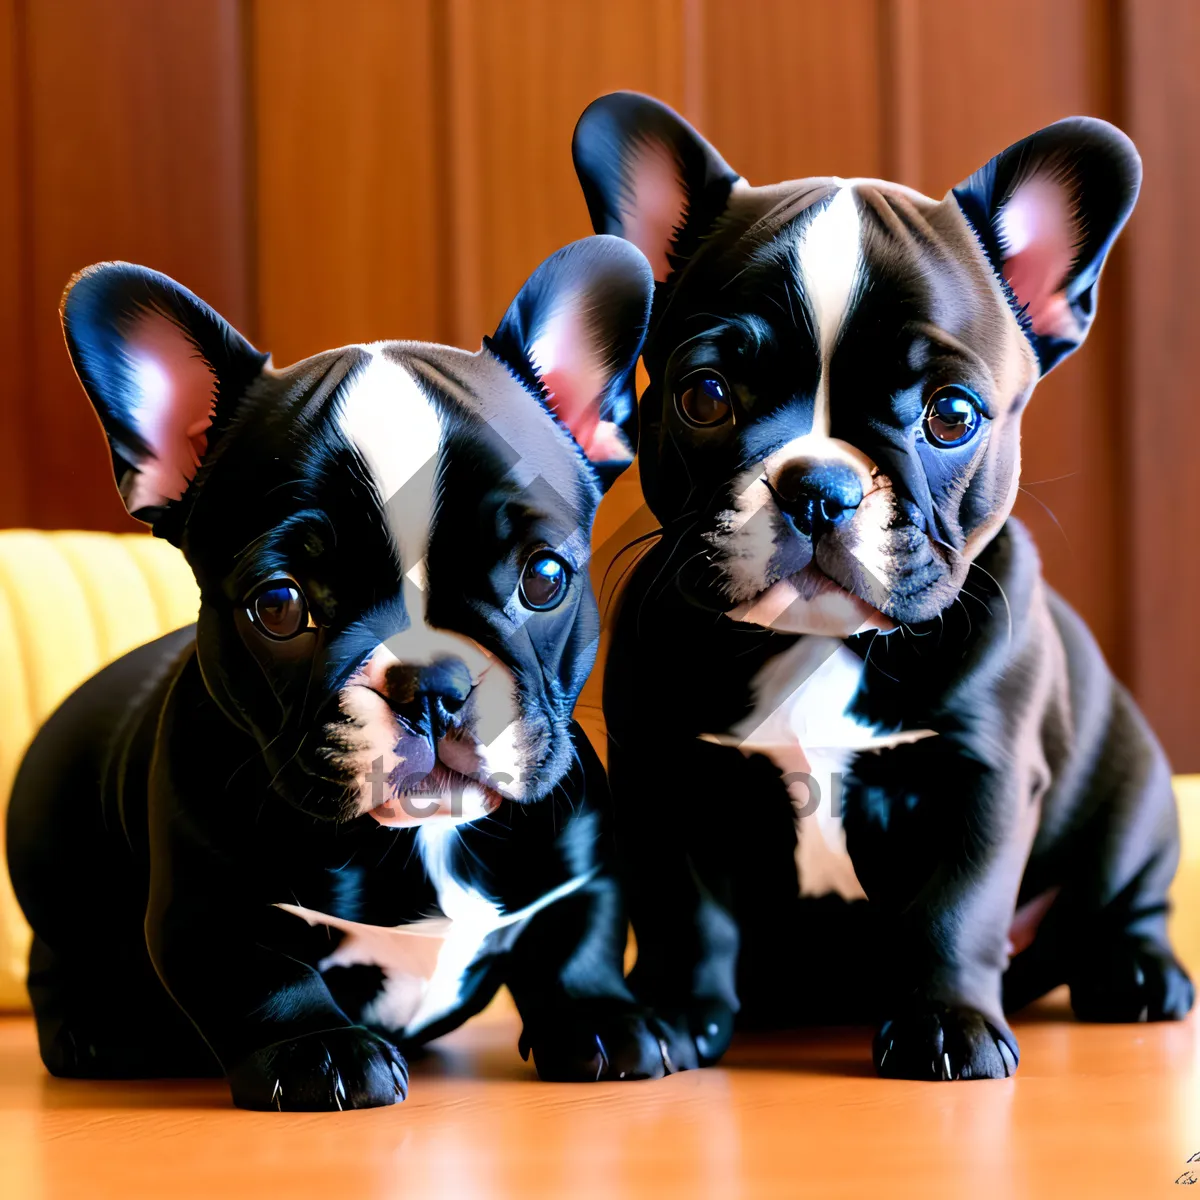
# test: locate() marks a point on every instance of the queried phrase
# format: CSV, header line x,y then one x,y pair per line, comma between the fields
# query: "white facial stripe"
x,y
420,644
397,430
830,257
818,447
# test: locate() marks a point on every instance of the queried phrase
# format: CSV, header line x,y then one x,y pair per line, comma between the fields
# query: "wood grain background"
x,y
329,172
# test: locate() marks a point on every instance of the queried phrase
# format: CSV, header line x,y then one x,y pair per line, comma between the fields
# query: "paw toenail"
x,y
665,1055
1010,1062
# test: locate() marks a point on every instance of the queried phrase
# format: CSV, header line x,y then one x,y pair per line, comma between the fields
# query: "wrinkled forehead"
x,y
405,416
814,248
480,400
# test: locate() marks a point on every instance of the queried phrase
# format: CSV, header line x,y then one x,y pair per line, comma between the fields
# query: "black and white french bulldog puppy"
x,y
370,725
842,623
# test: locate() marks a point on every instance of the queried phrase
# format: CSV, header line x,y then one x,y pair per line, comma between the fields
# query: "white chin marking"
x,y
800,720
832,612
830,259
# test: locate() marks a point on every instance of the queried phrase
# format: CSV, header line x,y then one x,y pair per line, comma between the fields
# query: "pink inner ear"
x,y
172,408
1039,234
656,206
569,364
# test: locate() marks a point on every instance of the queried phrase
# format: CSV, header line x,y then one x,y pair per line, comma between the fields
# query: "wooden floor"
x,y
1093,1112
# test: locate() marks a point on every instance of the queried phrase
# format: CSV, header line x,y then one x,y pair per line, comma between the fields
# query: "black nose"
x,y
428,696
815,495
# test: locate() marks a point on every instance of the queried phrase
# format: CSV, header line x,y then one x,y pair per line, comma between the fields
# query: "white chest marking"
x,y
800,721
423,963
830,258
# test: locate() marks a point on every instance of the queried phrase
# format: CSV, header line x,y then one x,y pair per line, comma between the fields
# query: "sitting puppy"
x,y
842,609
370,724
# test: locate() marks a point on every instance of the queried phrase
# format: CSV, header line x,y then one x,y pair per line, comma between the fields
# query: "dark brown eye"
x,y
703,399
279,610
953,415
544,581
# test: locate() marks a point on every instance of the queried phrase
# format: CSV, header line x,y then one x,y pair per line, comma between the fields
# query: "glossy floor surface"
x,y
1093,1112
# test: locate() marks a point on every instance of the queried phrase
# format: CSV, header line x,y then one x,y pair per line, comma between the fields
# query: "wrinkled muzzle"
x,y
437,740
818,541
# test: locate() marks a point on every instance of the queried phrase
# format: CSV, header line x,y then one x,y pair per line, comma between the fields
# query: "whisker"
x,y
1003,595
1049,513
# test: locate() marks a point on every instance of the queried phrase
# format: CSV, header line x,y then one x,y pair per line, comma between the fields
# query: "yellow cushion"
x,y
69,604
1185,895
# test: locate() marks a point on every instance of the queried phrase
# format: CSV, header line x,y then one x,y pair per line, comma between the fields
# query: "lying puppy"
x,y
370,724
841,607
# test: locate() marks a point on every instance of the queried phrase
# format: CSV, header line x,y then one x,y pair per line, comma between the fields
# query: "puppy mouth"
x,y
810,601
404,770
439,782
443,794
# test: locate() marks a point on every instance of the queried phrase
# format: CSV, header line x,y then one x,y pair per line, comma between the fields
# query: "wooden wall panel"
x,y
14,396
1160,410
135,123
331,173
1046,61
350,230
793,87
519,74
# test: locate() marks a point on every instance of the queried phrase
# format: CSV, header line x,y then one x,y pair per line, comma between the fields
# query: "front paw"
x,y
595,1043
1131,980
935,1041
322,1072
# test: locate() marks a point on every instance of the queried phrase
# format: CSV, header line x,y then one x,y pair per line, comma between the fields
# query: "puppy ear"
x,y
163,372
1047,211
649,177
573,335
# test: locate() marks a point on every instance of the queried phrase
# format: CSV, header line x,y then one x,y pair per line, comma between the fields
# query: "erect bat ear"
x,y
1047,211
649,177
164,373
573,335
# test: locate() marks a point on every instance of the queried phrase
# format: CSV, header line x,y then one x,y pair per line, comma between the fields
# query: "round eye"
x,y
953,415
703,399
279,610
544,581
